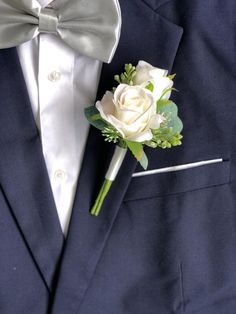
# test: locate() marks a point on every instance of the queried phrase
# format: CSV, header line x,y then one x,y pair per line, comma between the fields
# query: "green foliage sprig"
x,y
127,77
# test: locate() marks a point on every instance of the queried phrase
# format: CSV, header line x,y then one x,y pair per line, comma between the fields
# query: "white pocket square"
x,y
177,167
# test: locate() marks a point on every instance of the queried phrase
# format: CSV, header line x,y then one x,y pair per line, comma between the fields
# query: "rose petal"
x,y
126,129
127,116
160,86
156,72
142,72
141,137
119,91
106,105
145,72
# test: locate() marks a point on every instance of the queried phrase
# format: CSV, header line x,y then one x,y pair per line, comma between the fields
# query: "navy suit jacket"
x,y
163,243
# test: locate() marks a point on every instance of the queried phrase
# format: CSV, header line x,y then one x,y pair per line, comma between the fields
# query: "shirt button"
x,y
54,76
59,175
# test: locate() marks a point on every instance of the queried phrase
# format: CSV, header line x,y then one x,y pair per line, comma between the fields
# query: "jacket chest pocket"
x,y
178,179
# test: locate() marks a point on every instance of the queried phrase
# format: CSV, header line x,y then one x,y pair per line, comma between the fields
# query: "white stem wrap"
x,y
116,163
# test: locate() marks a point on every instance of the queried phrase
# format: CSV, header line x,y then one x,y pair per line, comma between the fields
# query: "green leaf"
x,y
150,87
144,161
176,125
91,111
172,76
162,102
138,152
94,118
170,111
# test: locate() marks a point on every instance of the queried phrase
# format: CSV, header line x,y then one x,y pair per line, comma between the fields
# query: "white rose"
x,y
132,111
158,77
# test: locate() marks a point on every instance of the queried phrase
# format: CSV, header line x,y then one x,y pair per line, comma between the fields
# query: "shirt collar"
x,y
44,3
55,3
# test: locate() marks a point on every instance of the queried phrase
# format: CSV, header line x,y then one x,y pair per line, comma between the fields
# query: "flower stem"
x,y
101,196
116,162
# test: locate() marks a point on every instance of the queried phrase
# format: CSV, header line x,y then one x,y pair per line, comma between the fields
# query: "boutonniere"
x,y
135,114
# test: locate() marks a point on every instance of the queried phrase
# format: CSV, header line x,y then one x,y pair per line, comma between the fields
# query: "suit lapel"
x,y
145,35
23,175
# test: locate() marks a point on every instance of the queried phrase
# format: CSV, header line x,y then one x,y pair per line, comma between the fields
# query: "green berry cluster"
x,y
165,138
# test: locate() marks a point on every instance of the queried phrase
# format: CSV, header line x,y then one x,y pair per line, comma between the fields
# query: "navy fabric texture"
x,y
163,243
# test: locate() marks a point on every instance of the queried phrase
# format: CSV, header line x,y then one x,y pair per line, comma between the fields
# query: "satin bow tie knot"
x,y
48,21
90,27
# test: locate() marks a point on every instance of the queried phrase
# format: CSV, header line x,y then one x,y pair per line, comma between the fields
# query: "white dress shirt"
x,y
61,83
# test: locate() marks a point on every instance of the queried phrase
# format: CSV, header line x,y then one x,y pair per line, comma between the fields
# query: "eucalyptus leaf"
x,y
163,102
144,161
176,125
170,111
94,118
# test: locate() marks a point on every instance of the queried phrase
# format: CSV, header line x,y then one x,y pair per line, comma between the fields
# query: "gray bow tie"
x,y
91,27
